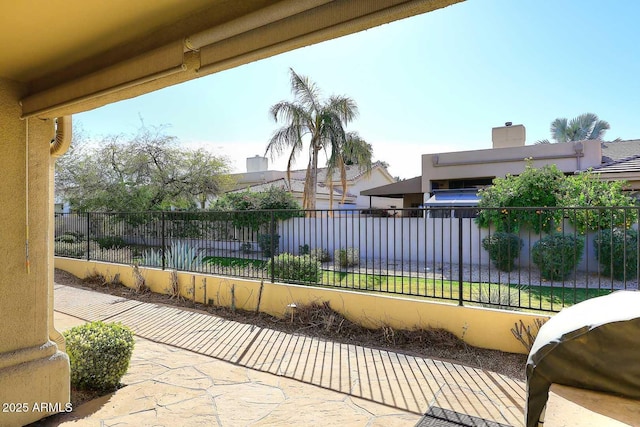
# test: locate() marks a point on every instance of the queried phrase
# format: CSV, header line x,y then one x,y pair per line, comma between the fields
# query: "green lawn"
x,y
543,297
547,298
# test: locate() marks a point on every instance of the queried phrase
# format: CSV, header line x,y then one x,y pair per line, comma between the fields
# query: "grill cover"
x,y
593,345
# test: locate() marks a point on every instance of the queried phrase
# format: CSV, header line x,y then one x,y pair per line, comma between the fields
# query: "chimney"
x,y
257,164
509,135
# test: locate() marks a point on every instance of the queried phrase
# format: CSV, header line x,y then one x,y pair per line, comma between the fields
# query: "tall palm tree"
x,y
354,152
585,126
317,120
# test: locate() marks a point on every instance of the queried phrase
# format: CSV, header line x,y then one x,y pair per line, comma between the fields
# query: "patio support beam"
x,y
32,368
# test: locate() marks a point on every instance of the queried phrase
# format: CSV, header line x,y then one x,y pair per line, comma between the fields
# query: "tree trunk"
x,y
311,183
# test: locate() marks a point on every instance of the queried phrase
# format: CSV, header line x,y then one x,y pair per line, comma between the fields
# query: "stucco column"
x,y
34,374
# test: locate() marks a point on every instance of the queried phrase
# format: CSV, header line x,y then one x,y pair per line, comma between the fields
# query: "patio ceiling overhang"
x,y
76,55
397,190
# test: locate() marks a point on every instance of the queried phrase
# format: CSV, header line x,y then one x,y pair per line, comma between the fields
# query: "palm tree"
x,y
585,126
320,121
355,152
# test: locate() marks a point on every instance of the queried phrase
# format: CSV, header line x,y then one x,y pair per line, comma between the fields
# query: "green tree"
x,y
354,152
505,202
146,171
588,190
208,175
532,188
585,126
321,121
253,209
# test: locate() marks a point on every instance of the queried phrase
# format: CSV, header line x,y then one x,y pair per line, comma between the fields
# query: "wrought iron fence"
x,y
530,258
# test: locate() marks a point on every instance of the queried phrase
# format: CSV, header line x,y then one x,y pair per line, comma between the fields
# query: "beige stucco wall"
x,y
499,162
31,367
479,327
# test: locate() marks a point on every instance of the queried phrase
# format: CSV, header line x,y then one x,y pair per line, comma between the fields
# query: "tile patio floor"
x,y
193,369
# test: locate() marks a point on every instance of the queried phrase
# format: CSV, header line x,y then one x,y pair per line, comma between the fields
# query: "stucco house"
x,y
447,177
258,177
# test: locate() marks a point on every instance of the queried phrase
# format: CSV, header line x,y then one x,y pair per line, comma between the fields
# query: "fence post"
x,y
460,290
163,241
88,239
271,243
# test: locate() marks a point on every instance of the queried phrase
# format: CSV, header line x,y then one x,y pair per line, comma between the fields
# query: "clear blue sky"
x,y
432,83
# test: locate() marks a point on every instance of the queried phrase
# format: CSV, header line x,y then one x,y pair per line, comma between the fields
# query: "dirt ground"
x,y
322,322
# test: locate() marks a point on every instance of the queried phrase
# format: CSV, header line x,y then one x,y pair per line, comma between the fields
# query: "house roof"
x,y
626,165
353,172
296,186
618,150
397,189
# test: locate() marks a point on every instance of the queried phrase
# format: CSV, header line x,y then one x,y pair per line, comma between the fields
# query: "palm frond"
x,y
305,91
559,130
345,108
283,138
600,127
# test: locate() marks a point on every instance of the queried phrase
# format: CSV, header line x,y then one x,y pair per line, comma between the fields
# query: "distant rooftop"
x,y
618,150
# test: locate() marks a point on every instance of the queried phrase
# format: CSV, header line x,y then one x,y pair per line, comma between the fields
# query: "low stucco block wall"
x,y
480,327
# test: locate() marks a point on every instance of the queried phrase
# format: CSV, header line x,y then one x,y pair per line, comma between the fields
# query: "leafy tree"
x,y
209,175
588,190
322,121
585,126
532,188
547,187
355,152
147,171
258,207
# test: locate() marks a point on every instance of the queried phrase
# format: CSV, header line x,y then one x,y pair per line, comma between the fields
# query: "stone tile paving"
x,y
265,377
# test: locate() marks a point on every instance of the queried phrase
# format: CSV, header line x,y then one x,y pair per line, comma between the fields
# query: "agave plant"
x,y
178,256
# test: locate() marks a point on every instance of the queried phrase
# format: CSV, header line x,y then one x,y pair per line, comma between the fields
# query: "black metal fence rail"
x,y
563,256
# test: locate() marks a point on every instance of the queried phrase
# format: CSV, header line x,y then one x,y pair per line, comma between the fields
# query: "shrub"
x,y
70,237
303,250
502,296
109,242
289,267
556,255
503,249
617,252
246,248
587,189
99,354
70,249
264,241
320,254
78,249
178,256
349,257
532,188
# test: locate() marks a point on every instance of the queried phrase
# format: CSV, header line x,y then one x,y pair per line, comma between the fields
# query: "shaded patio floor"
x,y
194,369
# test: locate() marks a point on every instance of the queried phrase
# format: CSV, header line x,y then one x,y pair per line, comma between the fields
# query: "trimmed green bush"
x,y
349,257
75,250
70,237
289,267
320,254
557,255
503,249
264,241
109,242
99,354
617,252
